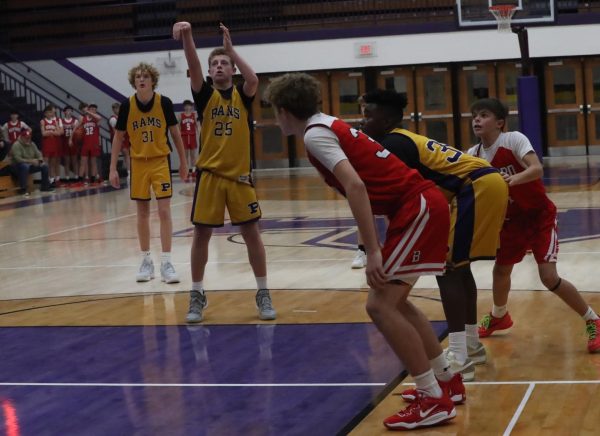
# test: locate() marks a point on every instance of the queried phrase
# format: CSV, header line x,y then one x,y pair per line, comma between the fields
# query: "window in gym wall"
x,y
564,85
477,86
435,92
566,127
349,93
398,84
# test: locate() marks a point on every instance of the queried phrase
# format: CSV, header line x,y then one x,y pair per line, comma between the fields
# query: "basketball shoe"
x,y
424,411
477,353
167,273
360,260
265,305
466,368
489,324
593,330
454,388
146,271
198,302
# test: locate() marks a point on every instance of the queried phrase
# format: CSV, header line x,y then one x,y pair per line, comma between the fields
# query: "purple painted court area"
x,y
200,380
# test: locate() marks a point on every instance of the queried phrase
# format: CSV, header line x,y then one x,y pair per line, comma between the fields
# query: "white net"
x,y
503,15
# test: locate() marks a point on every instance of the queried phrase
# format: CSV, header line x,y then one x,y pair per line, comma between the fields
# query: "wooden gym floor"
x,y
72,317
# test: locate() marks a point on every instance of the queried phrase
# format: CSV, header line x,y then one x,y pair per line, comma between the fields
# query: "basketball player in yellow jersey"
x,y
478,196
146,117
223,166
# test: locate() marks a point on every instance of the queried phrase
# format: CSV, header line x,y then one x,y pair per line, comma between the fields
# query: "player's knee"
x,y
551,281
164,213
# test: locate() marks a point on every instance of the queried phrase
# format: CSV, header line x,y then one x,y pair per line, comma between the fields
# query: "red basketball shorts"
x,y
536,231
416,242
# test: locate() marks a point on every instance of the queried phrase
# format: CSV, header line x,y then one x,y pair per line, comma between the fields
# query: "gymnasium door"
x,y
474,82
592,104
270,145
346,87
434,104
565,102
507,91
401,80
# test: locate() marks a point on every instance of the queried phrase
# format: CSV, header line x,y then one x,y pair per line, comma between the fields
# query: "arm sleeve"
x,y
324,145
201,98
112,122
167,107
520,145
403,147
38,153
123,114
17,153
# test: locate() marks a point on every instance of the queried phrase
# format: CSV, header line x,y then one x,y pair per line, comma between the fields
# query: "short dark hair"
x,y
48,108
391,101
493,105
67,107
185,102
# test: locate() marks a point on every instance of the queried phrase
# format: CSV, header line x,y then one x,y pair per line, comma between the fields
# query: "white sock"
x,y
499,311
590,315
472,335
261,283
198,286
146,255
165,257
427,383
458,345
441,368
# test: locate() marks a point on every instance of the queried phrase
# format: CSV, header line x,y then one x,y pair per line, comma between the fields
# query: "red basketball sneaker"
x,y
423,412
593,330
490,324
453,387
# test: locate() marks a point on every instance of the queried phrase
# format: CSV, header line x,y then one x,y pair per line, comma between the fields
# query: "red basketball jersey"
x,y
51,125
188,124
92,131
388,180
68,124
14,130
506,154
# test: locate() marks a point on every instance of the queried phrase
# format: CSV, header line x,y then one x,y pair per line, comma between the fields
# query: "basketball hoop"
x,y
503,15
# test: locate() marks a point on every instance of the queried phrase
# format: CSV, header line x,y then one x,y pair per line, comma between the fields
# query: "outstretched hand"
x,y
179,28
227,44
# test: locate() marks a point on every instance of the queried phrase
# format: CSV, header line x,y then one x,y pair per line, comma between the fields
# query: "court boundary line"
x,y
519,411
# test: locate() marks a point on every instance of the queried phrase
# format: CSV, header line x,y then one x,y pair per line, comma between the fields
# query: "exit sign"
x,y
365,49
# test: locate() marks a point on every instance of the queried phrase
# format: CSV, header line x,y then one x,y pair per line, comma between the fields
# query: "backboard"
x,y
471,13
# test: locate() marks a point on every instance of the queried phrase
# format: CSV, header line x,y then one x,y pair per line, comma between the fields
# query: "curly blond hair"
x,y
144,67
298,93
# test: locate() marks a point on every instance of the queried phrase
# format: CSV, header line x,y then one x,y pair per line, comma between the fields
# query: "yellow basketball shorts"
x,y
213,193
476,218
152,173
